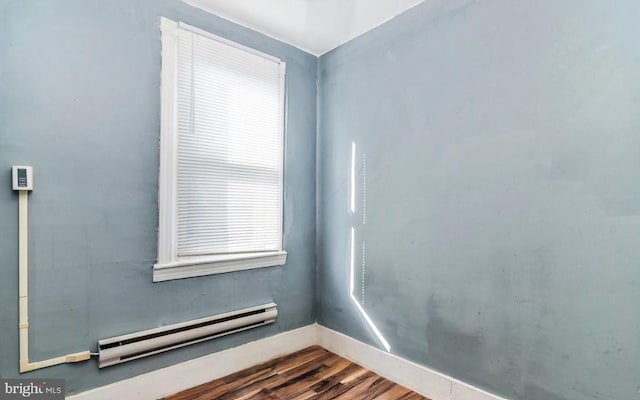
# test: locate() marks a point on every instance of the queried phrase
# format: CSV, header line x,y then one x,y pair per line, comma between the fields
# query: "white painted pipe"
x,y
23,276
23,295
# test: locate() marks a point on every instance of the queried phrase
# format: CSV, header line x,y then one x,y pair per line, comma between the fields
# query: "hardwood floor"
x,y
312,373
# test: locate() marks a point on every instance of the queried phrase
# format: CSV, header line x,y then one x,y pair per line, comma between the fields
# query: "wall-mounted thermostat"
x,y
22,178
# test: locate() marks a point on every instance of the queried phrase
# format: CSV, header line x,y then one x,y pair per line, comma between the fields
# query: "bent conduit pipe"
x,y
23,296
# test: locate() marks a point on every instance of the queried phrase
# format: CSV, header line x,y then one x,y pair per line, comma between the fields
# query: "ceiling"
x,y
316,26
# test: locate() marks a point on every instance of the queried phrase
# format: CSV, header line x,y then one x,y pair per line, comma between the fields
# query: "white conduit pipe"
x,y
23,295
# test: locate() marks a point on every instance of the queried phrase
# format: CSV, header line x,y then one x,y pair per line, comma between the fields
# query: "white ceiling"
x,y
316,26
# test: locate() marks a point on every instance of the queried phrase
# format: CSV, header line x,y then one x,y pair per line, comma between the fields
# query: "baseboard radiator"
x,y
124,348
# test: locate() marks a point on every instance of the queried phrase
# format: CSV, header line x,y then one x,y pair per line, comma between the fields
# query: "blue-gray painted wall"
x,y
502,198
80,101
502,143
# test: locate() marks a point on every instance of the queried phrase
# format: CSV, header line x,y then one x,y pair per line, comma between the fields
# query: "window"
x,y
221,156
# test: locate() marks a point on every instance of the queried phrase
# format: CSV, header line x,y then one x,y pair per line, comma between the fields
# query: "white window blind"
x,y
229,157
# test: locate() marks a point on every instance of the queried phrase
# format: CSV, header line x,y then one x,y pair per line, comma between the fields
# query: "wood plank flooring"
x,y
312,373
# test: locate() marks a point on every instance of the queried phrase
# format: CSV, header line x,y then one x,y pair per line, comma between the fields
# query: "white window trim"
x,y
170,265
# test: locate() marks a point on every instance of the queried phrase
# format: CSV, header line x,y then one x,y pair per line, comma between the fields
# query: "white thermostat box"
x,y
22,177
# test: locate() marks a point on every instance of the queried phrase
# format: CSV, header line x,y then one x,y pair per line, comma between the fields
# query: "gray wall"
x,y
502,204
502,143
79,100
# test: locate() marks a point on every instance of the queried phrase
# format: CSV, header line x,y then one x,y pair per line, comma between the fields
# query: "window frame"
x,y
169,265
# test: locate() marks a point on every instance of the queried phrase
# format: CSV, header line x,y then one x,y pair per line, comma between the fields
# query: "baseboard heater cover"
x,y
129,347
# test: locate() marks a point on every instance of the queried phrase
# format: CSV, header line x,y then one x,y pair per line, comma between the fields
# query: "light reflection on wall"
x,y
355,301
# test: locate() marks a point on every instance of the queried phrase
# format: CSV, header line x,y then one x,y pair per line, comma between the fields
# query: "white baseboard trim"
x,y
176,378
423,380
170,380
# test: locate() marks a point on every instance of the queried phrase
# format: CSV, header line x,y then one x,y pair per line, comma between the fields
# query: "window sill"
x,y
188,267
